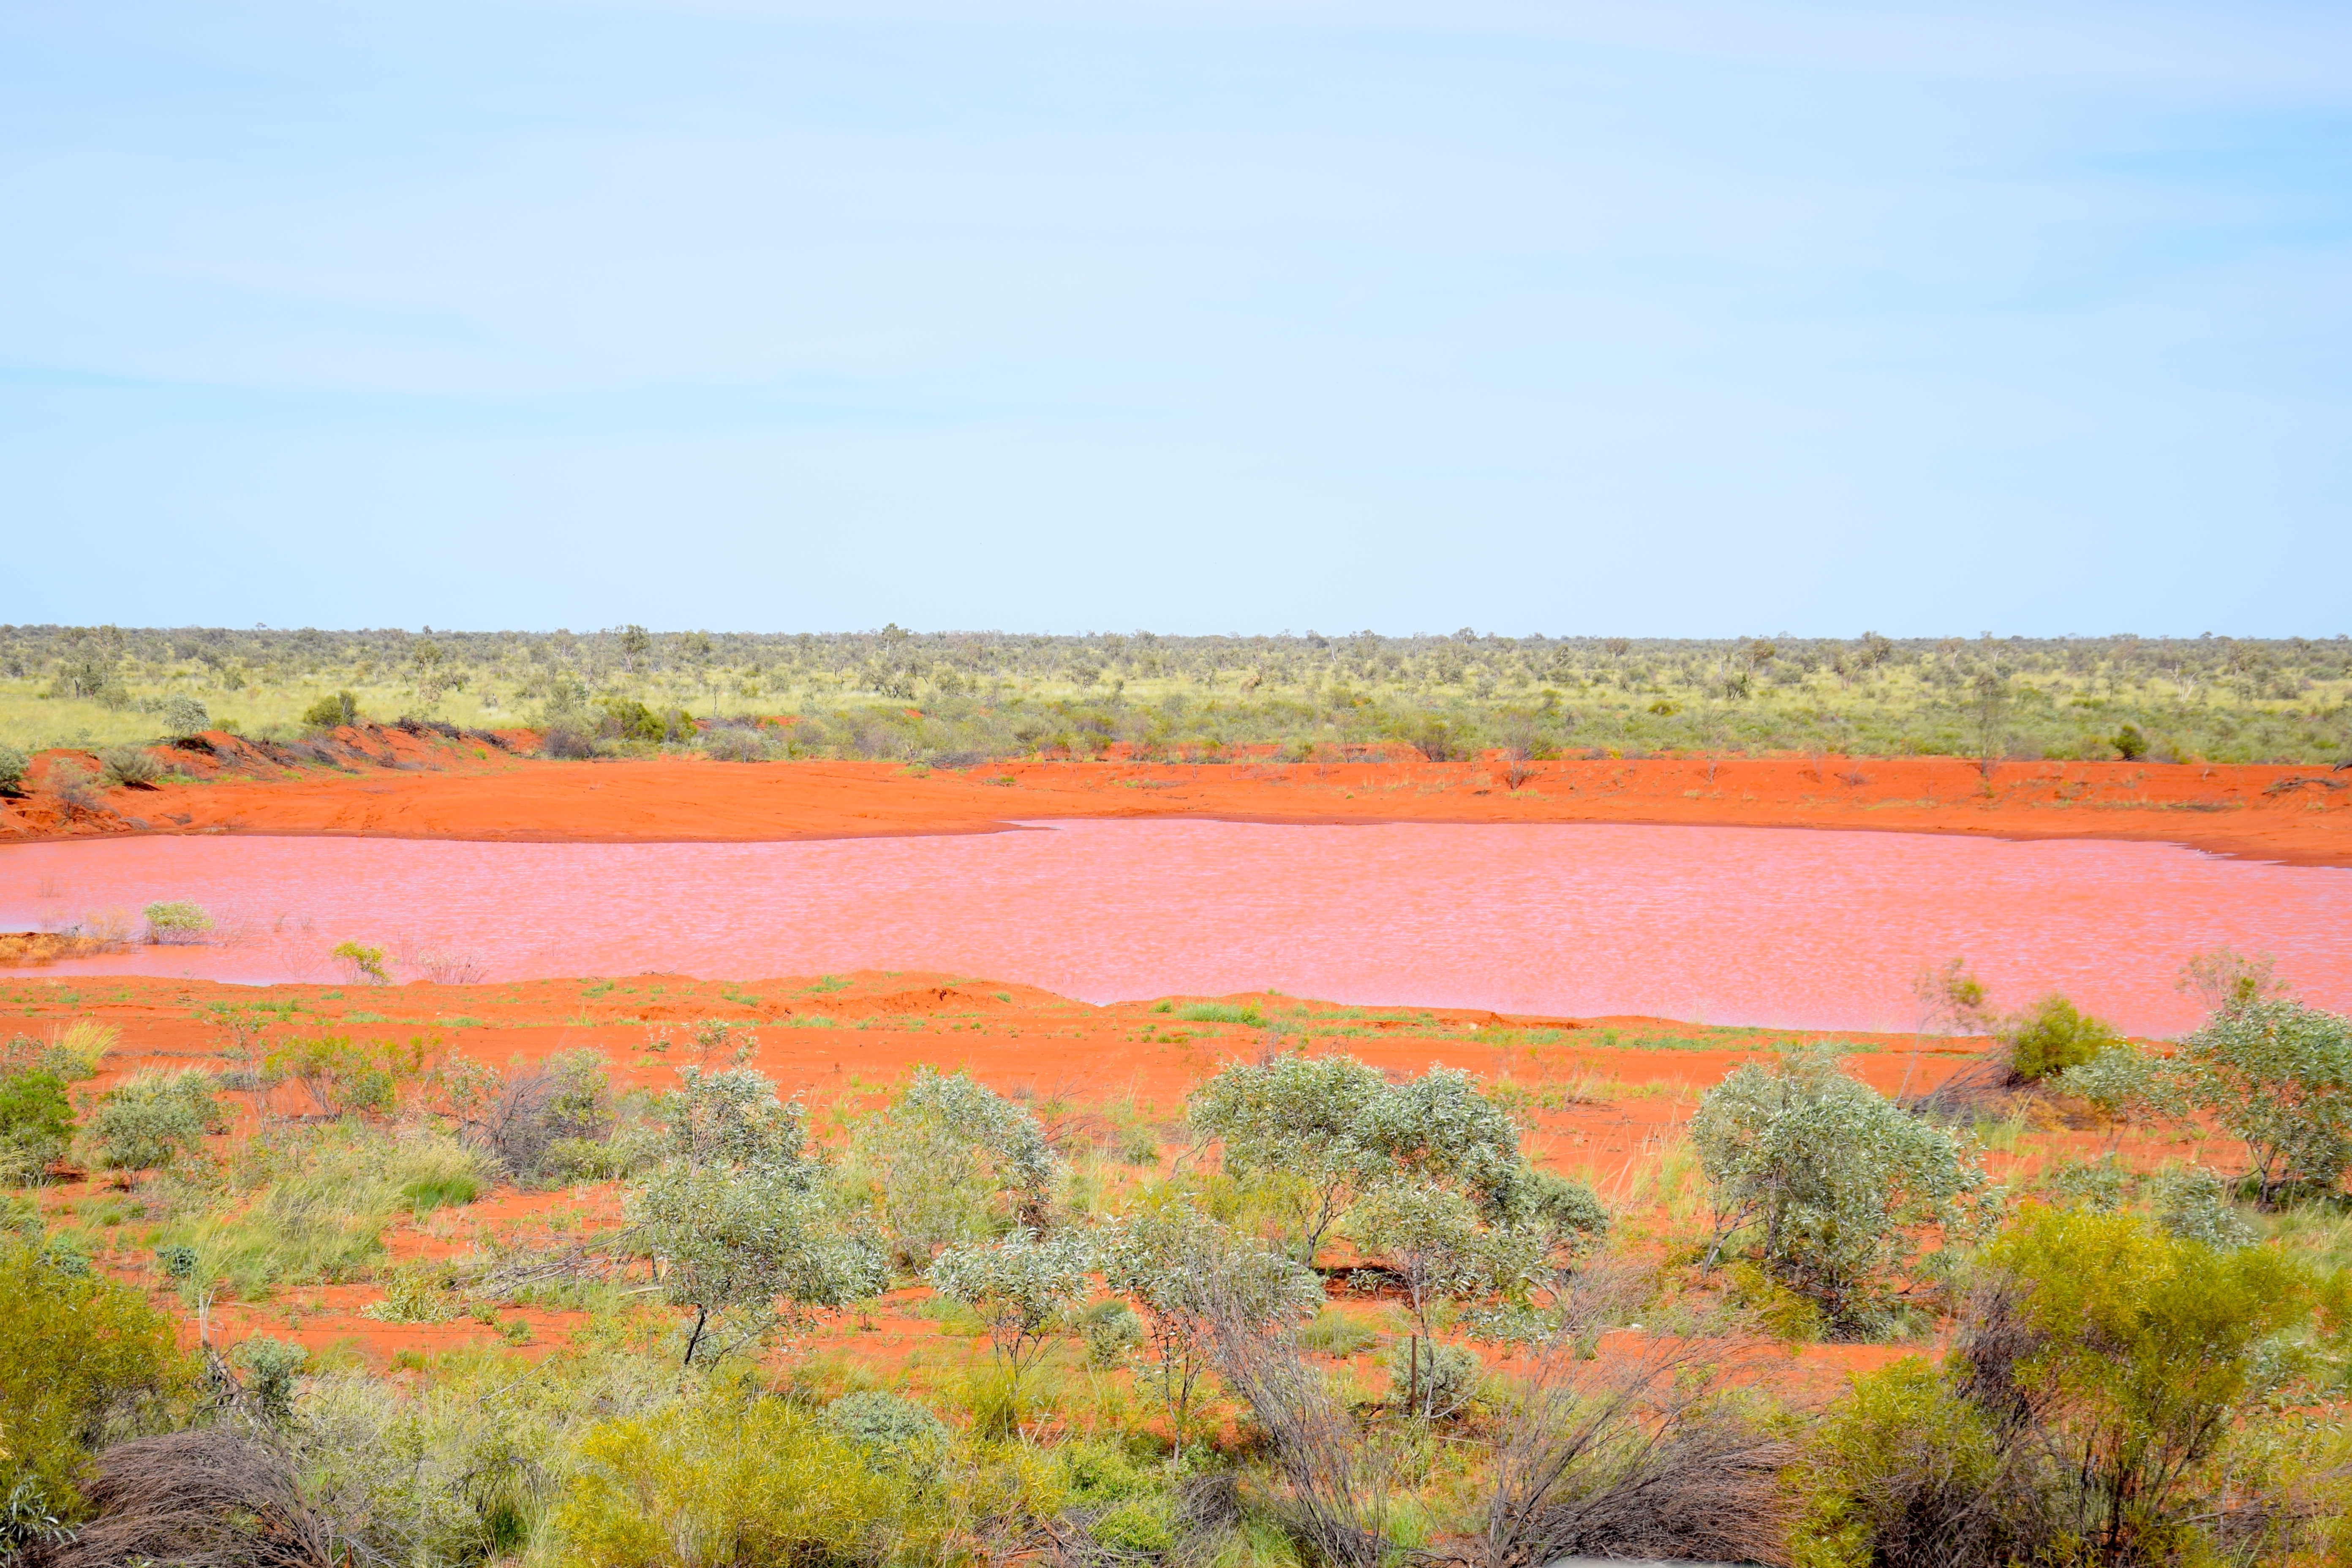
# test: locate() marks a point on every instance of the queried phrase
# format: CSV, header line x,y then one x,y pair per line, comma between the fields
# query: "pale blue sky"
x,y
1657,318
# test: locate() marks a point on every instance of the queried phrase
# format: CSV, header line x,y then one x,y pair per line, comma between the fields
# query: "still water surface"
x,y
1722,924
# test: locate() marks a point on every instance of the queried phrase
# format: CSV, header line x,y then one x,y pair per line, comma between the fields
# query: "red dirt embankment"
x,y
426,787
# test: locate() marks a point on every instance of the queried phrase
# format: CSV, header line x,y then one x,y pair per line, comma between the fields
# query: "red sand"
x,y
423,787
1603,1111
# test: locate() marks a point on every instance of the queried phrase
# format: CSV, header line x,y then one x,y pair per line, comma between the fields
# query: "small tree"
x,y
2053,1036
736,1221
362,963
1438,1127
1835,1182
949,1162
1021,1285
1184,1270
2125,1085
2278,1076
154,1120
1311,1119
2225,977
1431,1238
333,712
2144,1348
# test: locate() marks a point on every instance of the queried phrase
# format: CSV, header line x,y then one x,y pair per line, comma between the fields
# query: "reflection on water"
x,y
1722,924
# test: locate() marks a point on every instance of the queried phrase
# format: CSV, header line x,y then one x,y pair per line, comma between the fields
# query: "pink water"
x,y
1719,924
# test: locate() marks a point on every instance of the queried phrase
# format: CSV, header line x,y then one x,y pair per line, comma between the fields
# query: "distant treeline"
x,y
956,696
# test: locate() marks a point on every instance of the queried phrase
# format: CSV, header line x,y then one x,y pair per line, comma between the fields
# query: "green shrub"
x,y
1336,1334
890,1429
2277,1076
1430,1377
331,712
2129,744
2101,1374
1223,1013
713,1483
1110,1329
343,1076
270,1366
2052,1037
950,1161
731,743
36,1125
183,716
1139,1525
121,766
154,1119
13,764
1831,1184
176,923
2193,1204
362,962
80,1355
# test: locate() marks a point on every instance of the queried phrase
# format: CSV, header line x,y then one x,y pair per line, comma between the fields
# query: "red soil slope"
x,y
407,786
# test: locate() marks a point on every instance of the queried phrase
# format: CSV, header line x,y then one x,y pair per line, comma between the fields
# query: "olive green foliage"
x,y
2104,1373
181,715
1430,1377
950,1161
955,699
154,1120
1306,1122
626,719
891,1430
332,711
1021,1285
553,1121
176,922
720,1483
79,1356
463,1467
311,1206
362,962
1828,1184
2053,1036
13,764
737,1219
71,1054
1315,1132
268,1366
2193,1204
36,1125
2278,1075
2126,1085
121,765
1432,1239
343,1076
1188,1274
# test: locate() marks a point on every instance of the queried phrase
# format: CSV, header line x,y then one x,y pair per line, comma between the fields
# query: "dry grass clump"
x,y
206,1497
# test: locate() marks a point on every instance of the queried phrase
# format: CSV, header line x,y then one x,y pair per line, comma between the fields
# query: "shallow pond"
x,y
1720,924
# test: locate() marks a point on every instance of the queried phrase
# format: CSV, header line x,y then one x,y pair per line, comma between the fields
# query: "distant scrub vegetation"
x,y
953,698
